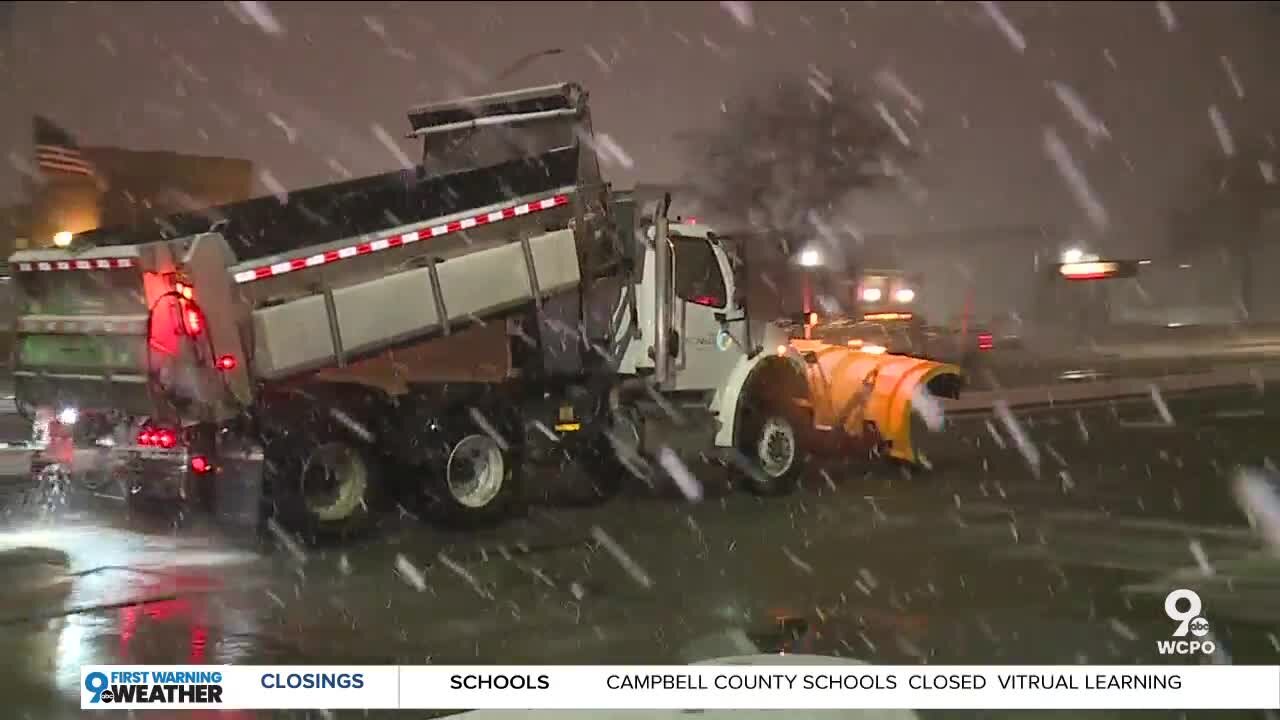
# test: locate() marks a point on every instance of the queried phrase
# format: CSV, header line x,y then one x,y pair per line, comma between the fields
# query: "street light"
x,y
62,238
810,258
1075,255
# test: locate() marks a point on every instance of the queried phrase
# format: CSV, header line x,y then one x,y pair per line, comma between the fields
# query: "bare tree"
x,y
784,159
1225,207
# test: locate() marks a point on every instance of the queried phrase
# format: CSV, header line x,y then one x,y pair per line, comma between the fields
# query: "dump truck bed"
x,y
349,278
268,226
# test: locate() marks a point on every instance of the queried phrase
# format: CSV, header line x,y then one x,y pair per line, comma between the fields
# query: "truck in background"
x,y
425,335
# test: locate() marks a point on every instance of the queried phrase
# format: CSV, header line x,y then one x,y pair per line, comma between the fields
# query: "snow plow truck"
x,y
431,333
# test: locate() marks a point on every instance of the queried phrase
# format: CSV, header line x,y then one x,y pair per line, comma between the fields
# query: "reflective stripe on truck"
x,y
400,239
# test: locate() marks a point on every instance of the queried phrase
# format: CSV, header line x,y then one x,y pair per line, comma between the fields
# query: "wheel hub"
x,y
476,471
334,482
776,450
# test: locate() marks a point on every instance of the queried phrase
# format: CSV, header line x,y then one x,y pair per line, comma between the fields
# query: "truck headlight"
x,y
68,416
871,294
905,295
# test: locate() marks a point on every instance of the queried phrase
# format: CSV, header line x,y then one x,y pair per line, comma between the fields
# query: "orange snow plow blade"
x,y
850,388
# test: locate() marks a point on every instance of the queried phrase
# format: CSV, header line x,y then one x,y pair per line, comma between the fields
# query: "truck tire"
x,y
770,440
479,482
772,436
323,484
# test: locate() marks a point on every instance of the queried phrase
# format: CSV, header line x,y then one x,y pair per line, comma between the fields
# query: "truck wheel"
x,y
770,440
323,486
481,482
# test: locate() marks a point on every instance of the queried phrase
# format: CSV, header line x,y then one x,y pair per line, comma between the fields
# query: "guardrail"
x,y
1113,389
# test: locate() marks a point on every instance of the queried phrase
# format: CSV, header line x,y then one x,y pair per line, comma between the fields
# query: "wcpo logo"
x,y
1183,607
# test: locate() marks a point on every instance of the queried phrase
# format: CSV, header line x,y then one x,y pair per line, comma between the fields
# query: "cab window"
x,y
697,277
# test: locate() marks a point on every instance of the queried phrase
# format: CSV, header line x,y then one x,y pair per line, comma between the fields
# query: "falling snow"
x,y
1094,128
1258,494
631,567
261,16
487,427
890,81
1220,129
287,541
1230,70
1162,408
290,133
689,485
410,573
924,404
1122,629
1167,17
740,12
273,185
804,566
997,15
1020,440
1202,559
613,151
1075,179
892,123
392,146
355,427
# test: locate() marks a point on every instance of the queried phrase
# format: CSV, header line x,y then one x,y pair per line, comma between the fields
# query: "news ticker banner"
x,y
679,687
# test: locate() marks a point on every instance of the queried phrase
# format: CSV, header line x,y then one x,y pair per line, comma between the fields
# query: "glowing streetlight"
x,y
62,238
810,258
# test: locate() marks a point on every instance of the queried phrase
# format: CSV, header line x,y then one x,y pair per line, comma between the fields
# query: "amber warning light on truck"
x,y
1098,269
1088,270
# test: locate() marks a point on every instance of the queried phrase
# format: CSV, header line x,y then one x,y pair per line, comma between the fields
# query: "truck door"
x,y
704,315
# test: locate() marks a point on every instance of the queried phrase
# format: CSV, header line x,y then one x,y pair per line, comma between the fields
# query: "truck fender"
x,y
727,402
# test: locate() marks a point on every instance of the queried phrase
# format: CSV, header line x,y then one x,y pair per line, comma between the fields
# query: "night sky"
x,y
203,78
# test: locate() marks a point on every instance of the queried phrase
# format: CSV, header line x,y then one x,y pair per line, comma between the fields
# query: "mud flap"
x,y
239,498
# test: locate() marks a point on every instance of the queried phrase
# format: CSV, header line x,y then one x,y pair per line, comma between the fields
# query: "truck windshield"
x,y
98,292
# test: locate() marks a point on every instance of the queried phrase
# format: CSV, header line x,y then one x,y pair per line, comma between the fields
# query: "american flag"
x,y
57,152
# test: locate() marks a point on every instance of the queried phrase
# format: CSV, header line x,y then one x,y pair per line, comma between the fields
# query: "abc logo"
x,y
1199,627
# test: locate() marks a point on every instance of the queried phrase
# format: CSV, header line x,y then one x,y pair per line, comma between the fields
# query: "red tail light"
x,y
158,437
227,362
200,465
193,320
986,341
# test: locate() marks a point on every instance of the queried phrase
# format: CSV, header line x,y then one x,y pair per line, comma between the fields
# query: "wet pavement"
x,y
985,559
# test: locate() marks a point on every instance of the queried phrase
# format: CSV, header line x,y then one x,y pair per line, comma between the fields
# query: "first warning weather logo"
x,y
154,686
